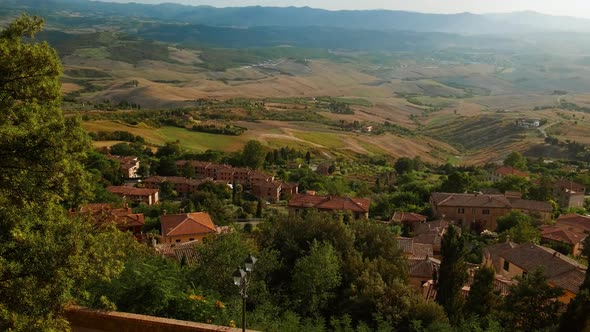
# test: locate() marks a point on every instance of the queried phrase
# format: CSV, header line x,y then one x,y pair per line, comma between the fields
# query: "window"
x,y
177,240
506,266
460,210
524,274
191,239
485,211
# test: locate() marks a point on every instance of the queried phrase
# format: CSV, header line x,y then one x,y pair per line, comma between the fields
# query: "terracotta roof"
x,y
470,200
527,204
566,184
123,190
574,220
267,184
194,163
437,226
496,250
123,217
561,270
408,217
507,170
413,249
488,201
406,244
330,203
423,267
560,234
187,224
174,180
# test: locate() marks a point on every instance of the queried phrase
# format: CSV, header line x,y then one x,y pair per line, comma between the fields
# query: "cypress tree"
x,y
452,275
482,299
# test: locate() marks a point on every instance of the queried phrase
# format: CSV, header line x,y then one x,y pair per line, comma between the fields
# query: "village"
x,y
560,242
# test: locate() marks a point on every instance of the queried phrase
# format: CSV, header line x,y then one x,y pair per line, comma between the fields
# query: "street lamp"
x,y
242,279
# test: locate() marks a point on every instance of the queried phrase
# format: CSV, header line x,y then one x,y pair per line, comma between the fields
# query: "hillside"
x,y
462,23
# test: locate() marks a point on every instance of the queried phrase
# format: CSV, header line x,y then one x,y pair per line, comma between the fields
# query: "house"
x,y
528,123
421,270
359,207
288,189
501,172
574,222
183,186
269,191
481,212
408,219
569,194
199,166
511,260
413,249
185,227
124,218
431,233
558,237
135,195
129,165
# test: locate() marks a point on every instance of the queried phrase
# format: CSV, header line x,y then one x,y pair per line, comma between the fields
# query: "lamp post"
x,y
242,279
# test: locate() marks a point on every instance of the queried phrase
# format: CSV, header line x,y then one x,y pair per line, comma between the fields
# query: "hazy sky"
x,y
580,8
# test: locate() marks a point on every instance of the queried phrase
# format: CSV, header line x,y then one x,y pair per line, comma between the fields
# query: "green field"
x,y
190,140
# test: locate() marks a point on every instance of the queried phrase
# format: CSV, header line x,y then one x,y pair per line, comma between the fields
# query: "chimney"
x,y
165,212
154,242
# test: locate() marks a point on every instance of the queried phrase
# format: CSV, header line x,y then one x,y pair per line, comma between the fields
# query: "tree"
x,y
452,275
516,160
404,165
46,256
532,304
519,227
576,317
314,278
253,154
482,298
458,182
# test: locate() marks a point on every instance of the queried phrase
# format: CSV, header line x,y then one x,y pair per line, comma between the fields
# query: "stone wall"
x,y
90,320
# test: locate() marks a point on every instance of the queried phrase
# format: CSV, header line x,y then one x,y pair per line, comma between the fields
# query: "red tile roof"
x,y
123,217
488,201
187,224
560,234
123,190
565,184
330,203
574,220
408,217
560,270
507,170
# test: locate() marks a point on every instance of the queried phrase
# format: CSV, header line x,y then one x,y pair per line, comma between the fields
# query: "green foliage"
x,y
253,154
531,304
46,256
219,257
458,182
513,183
452,275
519,227
313,287
516,160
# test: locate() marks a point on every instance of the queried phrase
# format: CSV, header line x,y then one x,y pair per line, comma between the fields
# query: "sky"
x,y
579,8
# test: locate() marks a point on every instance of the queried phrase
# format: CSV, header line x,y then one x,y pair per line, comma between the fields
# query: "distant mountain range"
x,y
242,17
